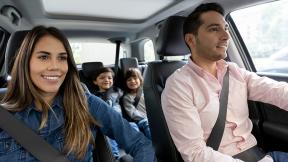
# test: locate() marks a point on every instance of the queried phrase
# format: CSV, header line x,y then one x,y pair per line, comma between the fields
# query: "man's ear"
x,y
190,40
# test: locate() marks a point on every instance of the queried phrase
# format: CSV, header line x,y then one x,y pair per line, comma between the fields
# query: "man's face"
x,y
212,39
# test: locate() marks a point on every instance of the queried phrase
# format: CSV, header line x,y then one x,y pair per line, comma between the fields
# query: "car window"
x,y
104,52
149,54
265,35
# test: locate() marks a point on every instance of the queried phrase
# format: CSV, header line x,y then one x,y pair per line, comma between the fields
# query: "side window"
x,y
104,52
149,54
264,31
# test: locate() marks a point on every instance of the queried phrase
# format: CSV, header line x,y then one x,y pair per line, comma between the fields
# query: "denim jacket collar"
x,y
57,103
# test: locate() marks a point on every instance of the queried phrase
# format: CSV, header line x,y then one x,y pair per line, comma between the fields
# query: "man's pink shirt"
x,y
190,104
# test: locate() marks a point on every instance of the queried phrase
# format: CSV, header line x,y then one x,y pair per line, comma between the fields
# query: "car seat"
x,y
170,42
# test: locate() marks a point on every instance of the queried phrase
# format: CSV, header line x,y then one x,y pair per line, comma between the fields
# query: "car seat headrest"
x,y
126,63
13,46
89,68
170,41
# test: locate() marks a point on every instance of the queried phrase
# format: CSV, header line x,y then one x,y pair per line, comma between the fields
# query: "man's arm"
x,y
265,89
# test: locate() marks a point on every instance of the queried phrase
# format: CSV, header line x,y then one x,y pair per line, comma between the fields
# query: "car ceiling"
x,y
109,18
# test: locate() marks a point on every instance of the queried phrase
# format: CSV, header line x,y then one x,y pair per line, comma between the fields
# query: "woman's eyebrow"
x,y
43,52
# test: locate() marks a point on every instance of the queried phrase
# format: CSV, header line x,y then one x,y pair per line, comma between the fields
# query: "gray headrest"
x,y
170,41
13,46
89,68
126,63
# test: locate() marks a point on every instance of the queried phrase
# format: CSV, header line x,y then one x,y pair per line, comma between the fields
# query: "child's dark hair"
x,y
102,70
193,21
135,73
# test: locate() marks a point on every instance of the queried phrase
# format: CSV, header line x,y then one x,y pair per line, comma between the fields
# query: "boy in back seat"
x,y
103,79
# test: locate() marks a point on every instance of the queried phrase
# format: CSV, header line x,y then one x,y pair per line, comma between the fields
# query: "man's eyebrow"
x,y
213,25
217,25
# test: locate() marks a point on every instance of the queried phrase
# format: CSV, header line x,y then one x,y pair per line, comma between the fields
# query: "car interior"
x,y
148,35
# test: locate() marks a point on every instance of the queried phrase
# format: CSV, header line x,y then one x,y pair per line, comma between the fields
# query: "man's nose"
x,y
225,34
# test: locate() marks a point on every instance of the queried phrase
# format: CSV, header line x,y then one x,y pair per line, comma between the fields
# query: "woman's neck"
x,y
48,99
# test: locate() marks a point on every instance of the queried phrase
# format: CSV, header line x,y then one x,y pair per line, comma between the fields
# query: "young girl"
x,y
46,94
136,111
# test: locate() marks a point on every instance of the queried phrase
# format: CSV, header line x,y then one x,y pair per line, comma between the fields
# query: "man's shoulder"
x,y
180,75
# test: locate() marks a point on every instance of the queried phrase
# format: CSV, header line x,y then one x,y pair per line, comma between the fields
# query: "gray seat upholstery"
x,y
169,43
126,63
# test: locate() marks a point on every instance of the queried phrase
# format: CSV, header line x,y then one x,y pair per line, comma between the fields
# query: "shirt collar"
x,y
221,66
57,103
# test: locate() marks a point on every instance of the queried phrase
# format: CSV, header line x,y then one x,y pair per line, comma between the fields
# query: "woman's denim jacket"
x,y
112,125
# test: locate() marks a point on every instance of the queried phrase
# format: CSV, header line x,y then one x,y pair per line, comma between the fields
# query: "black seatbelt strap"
x,y
138,96
28,139
218,129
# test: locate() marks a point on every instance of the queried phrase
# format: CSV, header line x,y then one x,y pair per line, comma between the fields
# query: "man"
x,y
190,99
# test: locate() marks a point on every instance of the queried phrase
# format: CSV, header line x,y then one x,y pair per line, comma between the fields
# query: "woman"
x,y
46,94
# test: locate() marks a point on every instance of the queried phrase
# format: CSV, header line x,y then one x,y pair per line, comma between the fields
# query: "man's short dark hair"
x,y
193,21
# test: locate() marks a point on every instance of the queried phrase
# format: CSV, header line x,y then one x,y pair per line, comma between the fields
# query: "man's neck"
x,y
207,65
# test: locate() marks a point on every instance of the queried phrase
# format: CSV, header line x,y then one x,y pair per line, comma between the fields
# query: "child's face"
x,y
133,83
104,81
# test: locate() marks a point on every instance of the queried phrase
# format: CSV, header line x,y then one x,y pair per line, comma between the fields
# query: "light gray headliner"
x,y
33,14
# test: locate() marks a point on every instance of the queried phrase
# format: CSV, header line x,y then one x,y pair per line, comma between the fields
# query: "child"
x,y
103,79
136,111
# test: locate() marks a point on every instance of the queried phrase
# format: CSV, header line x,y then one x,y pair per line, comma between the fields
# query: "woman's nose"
x,y
53,64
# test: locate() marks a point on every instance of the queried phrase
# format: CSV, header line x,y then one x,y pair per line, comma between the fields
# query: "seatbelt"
x,y
138,96
102,151
218,129
28,139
